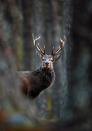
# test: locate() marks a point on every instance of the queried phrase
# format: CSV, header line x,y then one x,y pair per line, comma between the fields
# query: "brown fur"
x,y
32,83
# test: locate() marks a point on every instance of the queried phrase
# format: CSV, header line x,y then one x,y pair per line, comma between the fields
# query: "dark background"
x,y
68,103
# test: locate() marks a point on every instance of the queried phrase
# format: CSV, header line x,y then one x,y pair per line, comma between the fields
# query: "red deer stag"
x,y
32,83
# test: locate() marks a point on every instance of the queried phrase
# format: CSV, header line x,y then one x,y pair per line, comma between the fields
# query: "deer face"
x,y
48,60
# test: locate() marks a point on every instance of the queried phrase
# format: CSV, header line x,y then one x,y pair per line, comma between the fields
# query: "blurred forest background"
x,y
70,98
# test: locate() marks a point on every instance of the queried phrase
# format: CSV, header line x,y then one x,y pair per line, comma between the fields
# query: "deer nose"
x,y
46,62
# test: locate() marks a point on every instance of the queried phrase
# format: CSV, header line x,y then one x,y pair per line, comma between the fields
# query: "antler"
x,y
57,52
41,51
54,52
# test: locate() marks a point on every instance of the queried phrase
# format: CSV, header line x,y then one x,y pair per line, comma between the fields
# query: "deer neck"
x,y
49,74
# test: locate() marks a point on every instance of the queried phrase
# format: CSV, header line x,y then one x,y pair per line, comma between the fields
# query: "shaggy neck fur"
x,y
37,81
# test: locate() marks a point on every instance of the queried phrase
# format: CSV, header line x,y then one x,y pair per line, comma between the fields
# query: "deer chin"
x,y
47,67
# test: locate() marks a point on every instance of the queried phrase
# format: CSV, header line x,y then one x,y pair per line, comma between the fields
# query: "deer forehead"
x,y
47,57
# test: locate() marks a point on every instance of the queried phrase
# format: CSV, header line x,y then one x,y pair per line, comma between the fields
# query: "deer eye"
x,y
43,59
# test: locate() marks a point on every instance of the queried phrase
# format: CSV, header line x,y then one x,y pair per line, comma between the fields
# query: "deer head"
x,y
48,60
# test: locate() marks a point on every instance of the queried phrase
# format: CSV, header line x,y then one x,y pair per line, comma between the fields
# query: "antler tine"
x,y
35,39
42,51
58,50
60,47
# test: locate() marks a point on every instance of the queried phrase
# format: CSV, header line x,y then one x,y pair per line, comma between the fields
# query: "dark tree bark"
x,y
27,34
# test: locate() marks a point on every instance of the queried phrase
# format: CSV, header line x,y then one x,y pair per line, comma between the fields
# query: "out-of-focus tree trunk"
x,y
14,17
81,56
27,33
